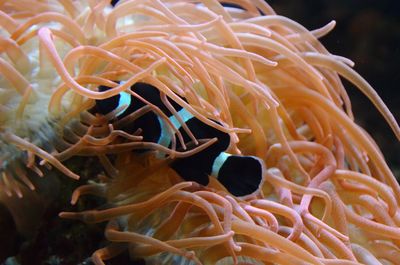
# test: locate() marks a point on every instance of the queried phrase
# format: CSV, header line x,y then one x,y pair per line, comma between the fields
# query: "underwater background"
x,y
367,32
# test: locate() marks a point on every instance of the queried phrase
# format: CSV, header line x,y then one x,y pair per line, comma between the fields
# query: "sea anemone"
x,y
328,196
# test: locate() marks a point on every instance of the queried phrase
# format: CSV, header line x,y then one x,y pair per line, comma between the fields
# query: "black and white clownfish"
x,y
240,175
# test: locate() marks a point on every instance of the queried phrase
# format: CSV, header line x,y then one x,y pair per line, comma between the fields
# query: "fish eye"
x,y
107,105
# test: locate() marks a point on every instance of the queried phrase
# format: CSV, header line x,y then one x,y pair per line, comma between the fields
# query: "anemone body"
x,y
328,195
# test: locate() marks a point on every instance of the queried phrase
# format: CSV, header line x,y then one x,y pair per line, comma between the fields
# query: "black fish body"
x,y
241,175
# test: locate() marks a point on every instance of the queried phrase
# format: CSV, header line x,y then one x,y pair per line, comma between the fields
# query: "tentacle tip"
x,y
345,239
237,248
67,215
190,255
76,177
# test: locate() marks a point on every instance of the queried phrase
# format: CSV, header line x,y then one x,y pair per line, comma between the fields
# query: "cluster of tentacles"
x,y
328,195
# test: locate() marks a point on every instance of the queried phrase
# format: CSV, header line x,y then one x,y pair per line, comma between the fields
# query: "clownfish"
x,y
240,175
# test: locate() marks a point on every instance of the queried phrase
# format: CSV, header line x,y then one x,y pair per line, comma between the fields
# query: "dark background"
x,y
368,33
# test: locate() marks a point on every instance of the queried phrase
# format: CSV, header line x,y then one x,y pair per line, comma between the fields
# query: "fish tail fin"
x,y
241,175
